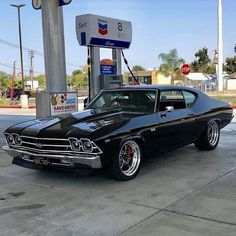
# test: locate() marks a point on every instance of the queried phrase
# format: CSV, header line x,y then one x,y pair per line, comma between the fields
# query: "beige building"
x,y
148,77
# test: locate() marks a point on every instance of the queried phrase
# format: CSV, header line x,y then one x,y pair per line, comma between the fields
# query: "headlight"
x,y
87,145
17,139
10,139
75,144
84,145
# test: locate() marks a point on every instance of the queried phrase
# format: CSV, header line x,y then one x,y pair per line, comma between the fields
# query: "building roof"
x,y
198,76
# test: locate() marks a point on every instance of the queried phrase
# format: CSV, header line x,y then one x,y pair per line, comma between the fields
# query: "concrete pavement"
x,y
184,192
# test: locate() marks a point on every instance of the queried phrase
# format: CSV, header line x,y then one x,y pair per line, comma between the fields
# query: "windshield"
x,y
125,100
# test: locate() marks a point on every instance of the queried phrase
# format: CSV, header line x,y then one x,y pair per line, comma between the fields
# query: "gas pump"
x,y
97,32
110,81
110,75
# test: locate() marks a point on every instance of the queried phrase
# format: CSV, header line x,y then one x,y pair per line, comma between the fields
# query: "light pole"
x,y
21,55
220,48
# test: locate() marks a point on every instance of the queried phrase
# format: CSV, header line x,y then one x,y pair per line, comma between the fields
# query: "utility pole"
x,y
31,56
20,39
13,80
220,48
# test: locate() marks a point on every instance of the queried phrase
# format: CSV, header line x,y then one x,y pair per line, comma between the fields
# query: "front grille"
x,y
52,146
46,144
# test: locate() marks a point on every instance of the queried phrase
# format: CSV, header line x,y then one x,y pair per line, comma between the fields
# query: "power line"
x,y
3,64
14,45
71,64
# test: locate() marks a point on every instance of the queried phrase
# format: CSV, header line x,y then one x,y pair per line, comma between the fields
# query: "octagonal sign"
x,y
185,69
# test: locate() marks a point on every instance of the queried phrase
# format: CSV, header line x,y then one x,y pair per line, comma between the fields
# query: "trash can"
x,y
24,101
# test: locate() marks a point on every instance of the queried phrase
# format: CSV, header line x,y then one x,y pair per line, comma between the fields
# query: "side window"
x,y
172,98
189,97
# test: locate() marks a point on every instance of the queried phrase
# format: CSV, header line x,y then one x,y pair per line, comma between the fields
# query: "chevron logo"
x,y
102,27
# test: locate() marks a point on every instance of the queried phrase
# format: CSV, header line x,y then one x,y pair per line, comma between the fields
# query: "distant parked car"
x,y
16,93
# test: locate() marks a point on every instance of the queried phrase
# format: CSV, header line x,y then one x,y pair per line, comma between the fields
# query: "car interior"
x,y
171,98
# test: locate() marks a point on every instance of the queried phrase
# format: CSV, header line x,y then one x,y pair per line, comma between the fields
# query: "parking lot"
x,y
183,192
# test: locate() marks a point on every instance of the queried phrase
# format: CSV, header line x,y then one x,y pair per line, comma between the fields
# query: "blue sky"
x,y
158,26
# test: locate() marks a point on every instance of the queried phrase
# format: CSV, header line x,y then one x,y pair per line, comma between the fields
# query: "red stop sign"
x,y
185,69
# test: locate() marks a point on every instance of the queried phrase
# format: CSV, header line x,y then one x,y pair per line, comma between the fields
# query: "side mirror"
x,y
169,108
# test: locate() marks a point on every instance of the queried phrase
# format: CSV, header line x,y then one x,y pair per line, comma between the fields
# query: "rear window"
x,y
189,97
172,98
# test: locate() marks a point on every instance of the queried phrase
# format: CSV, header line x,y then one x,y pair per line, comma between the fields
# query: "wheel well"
x,y
216,120
138,139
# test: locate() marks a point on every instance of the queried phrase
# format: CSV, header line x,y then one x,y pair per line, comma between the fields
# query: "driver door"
x,y
176,121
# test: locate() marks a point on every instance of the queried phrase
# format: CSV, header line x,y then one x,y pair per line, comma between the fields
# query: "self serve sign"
x,y
93,30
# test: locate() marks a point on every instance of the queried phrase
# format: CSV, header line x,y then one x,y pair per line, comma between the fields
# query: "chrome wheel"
x,y
210,138
213,133
129,158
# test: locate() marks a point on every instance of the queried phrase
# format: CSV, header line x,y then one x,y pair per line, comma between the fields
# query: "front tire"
x,y
127,161
210,138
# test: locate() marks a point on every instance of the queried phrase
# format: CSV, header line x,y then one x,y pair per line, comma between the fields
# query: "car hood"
x,y
88,123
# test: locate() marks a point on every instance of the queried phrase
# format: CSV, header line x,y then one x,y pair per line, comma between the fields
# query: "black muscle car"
x,y
119,128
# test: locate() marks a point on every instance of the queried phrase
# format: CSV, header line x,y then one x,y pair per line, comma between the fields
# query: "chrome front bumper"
x,y
93,161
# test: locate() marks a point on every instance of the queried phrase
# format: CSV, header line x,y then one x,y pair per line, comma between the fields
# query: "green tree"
x,y
5,82
81,80
171,63
42,81
203,62
78,78
138,68
230,65
77,72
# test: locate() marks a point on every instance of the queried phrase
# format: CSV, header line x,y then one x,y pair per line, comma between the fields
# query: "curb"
x,y
18,107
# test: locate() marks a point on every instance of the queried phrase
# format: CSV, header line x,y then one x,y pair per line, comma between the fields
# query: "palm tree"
x,y
171,64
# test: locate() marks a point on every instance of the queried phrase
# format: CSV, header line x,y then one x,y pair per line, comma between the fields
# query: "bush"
x,y
4,102
233,102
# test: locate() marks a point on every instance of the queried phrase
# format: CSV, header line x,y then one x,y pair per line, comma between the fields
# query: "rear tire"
x,y
127,161
210,138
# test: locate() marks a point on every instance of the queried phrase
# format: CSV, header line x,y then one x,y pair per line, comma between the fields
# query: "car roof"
x,y
155,87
